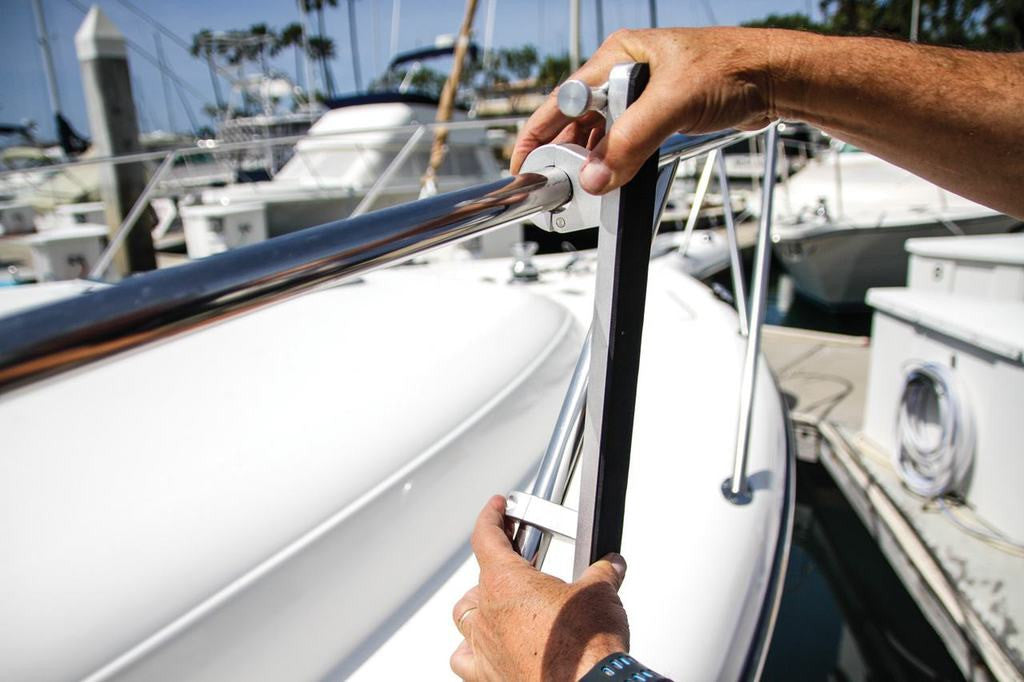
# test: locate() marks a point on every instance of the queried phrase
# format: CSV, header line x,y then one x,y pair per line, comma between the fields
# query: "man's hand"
x,y
950,116
521,624
702,80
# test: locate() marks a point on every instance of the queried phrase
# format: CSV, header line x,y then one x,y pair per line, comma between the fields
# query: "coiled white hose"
x,y
934,431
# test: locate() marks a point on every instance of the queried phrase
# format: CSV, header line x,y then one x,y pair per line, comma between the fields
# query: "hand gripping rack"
x,y
595,424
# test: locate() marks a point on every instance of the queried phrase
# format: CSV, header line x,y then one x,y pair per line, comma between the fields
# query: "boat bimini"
x,y
265,464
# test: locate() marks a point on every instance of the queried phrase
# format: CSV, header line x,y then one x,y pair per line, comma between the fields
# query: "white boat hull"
x,y
838,266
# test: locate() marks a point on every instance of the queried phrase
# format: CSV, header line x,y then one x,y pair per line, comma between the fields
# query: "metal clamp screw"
x,y
576,98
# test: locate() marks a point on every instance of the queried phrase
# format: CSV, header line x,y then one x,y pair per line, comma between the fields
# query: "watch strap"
x,y
621,667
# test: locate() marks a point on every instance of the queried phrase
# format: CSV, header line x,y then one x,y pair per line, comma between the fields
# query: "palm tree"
x,y
322,48
291,36
263,40
318,7
202,45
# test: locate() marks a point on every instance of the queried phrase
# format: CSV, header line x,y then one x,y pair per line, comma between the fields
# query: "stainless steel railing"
x,y
170,158
159,304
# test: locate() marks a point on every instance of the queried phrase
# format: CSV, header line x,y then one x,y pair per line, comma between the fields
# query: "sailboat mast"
x,y
396,11
44,49
574,35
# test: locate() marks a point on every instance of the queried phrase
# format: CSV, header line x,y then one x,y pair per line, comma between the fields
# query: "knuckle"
x,y
621,35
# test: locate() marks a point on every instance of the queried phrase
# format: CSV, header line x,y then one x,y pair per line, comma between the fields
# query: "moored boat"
x,y
842,220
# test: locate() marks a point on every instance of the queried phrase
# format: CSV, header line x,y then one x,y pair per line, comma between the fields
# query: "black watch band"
x,y
620,667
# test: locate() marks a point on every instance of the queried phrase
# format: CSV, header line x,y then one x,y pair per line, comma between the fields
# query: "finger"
x,y
548,121
463,662
636,135
490,543
610,569
580,130
461,612
540,128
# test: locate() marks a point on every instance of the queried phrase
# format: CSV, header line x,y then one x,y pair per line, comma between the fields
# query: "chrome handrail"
x,y
556,466
163,303
682,147
106,258
735,263
735,488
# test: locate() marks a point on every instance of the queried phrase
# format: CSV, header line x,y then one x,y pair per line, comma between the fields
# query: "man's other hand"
x,y
521,624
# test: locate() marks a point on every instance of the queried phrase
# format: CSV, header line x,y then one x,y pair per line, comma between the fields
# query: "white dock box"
x,y
17,218
70,215
990,265
211,229
961,313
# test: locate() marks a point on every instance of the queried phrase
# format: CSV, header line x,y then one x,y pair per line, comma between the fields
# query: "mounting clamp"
x,y
540,513
583,210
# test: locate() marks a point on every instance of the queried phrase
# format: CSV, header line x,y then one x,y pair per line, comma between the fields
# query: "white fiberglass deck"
x,y
288,494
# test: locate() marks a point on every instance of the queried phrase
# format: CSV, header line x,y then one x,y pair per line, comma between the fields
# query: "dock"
x,y
971,592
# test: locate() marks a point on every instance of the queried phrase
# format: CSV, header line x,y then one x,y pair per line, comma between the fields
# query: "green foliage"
x,y
795,21
521,63
518,61
553,70
424,80
290,36
321,47
980,24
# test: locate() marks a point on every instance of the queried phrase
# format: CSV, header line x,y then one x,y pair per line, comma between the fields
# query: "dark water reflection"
x,y
845,614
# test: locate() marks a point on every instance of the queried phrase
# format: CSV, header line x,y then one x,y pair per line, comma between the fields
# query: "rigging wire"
x,y
147,56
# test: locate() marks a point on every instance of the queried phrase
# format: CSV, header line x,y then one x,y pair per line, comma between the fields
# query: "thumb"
x,y
634,136
610,569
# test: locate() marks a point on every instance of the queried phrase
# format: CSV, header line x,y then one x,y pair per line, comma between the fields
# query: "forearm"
x,y
950,116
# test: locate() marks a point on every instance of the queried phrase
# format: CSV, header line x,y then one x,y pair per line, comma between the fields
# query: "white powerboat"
x,y
288,493
842,220
334,169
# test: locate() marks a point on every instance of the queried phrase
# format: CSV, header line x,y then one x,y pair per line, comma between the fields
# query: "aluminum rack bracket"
x,y
583,210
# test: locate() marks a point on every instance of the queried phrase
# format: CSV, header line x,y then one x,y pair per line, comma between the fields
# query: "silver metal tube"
x,y
736,488
163,303
159,304
735,262
556,464
839,182
213,146
698,200
666,176
140,205
687,146
385,177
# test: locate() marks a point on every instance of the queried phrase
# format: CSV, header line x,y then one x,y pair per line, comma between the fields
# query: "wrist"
x,y
792,59
597,649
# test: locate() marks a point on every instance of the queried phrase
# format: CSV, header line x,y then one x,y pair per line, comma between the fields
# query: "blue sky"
x,y
544,23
